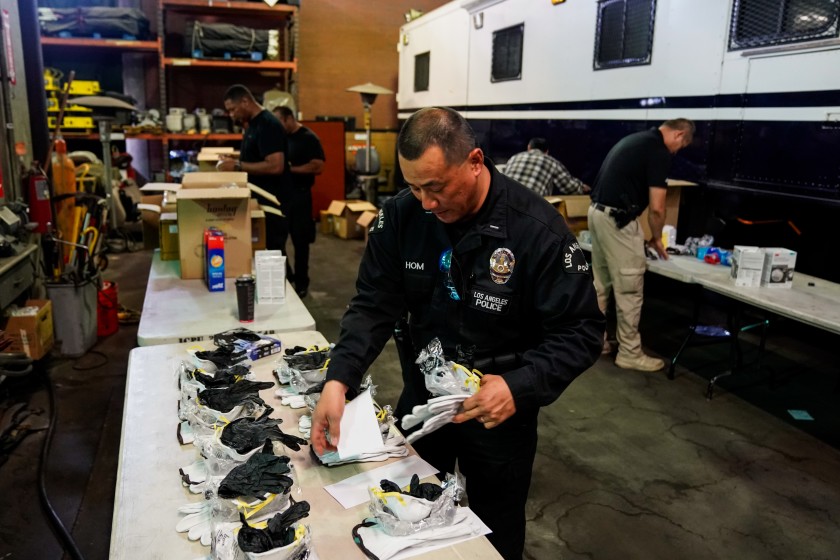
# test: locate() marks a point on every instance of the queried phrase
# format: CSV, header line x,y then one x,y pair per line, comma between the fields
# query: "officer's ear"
x,y
476,160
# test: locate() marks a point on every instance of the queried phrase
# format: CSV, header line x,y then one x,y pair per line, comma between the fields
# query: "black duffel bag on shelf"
x,y
218,40
84,22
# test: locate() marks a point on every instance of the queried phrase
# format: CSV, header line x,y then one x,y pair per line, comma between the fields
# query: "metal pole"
x,y
105,138
367,138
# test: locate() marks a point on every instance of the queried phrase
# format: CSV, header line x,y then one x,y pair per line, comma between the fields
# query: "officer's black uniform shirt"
x,y
637,162
304,146
542,308
264,136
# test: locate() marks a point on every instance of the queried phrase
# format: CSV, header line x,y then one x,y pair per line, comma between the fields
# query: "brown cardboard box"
x,y
365,220
672,205
575,209
169,236
258,231
345,214
326,222
558,203
32,332
209,157
202,204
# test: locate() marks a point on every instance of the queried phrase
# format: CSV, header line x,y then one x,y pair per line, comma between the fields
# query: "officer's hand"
x,y
657,246
226,163
491,405
327,417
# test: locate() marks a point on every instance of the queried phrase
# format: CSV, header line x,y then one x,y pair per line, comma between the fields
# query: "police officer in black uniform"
x,y
490,268
262,153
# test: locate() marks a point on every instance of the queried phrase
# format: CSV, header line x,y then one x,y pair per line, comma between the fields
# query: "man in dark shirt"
x,y
305,159
631,179
262,154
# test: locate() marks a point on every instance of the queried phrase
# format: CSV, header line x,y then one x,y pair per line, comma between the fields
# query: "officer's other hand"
x,y
656,245
326,419
491,405
226,163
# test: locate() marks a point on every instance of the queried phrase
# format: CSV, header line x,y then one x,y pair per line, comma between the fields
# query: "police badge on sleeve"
x,y
574,261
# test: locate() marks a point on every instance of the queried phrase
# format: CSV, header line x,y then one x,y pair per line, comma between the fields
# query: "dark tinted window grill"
x,y
421,72
757,23
507,54
624,33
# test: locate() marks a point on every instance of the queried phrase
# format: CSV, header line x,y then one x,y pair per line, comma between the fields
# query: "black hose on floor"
x,y
61,532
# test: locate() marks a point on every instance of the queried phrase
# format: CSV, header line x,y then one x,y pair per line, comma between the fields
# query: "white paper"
x,y
353,491
478,527
359,428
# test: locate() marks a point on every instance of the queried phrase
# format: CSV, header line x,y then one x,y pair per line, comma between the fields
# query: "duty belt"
x,y
499,363
601,208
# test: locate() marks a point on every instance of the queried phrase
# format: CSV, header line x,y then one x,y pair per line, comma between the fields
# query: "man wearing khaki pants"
x,y
631,179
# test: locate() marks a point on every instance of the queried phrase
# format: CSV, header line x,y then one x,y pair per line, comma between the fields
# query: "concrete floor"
x,y
629,465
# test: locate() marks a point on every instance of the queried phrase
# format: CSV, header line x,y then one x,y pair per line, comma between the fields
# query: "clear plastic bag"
x,y
400,514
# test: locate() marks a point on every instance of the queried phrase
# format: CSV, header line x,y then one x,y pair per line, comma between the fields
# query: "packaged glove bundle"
x,y
246,434
305,362
220,357
451,384
248,343
419,506
262,473
242,393
411,518
282,530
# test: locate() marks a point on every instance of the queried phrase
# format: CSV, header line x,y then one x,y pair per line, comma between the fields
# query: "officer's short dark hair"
x,y
436,126
538,143
238,92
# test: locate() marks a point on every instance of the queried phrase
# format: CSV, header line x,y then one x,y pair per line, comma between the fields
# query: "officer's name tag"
x,y
485,301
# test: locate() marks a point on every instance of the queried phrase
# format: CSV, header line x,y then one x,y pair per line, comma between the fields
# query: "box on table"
x,y
326,223
558,203
577,210
169,236
778,267
214,251
203,204
365,220
345,214
258,231
747,265
30,329
151,220
672,205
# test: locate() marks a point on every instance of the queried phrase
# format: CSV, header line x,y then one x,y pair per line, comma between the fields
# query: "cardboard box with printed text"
x,y
31,329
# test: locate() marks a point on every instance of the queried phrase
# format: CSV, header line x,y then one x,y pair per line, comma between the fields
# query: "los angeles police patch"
x,y
502,262
485,301
574,261
378,224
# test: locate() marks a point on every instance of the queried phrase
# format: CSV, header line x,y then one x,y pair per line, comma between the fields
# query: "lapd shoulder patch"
x,y
574,261
485,301
379,223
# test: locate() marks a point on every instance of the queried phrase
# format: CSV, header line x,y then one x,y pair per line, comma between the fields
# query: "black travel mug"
x,y
245,288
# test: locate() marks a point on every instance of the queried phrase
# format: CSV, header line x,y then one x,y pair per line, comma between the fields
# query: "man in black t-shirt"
x,y
631,179
305,160
262,154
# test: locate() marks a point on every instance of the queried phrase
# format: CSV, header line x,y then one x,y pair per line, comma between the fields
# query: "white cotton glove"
x,y
194,474
185,433
196,522
423,412
305,426
384,546
285,392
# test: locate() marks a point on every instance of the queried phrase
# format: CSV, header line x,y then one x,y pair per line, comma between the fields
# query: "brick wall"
x,y
345,43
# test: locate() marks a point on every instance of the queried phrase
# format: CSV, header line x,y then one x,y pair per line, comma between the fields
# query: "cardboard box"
x,y
778,267
201,205
747,265
672,205
365,221
30,329
258,231
326,222
345,214
558,203
169,236
208,157
577,210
